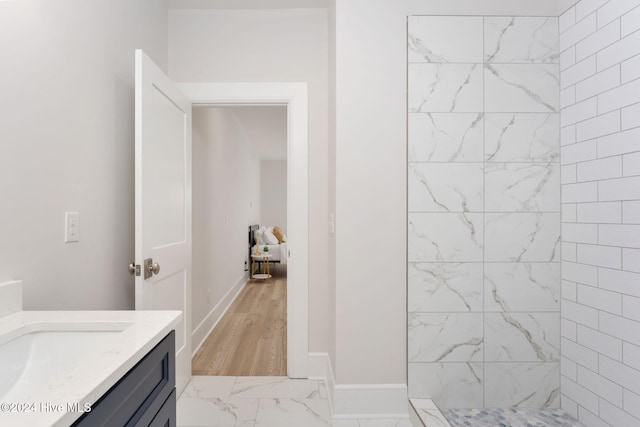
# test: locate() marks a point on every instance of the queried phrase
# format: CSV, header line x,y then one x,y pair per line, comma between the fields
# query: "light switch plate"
x,y
71,227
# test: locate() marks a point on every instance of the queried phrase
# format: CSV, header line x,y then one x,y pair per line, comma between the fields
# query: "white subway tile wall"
x,y
484,207
600,133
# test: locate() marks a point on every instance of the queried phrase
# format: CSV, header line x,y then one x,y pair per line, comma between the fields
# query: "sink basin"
x,y
36,353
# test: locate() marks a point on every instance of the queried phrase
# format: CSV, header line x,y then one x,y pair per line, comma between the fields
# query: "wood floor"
x,y
251,338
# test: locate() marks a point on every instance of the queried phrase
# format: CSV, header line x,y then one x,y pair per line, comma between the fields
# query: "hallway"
x,y
251,337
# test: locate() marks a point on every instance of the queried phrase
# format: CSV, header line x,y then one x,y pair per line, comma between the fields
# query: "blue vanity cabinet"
x,y
144,396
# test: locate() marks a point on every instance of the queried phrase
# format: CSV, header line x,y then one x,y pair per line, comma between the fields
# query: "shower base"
x,y
510,418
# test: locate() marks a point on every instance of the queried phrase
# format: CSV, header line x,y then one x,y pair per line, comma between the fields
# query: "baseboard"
x,y
202,331
359,401
370,401
320,369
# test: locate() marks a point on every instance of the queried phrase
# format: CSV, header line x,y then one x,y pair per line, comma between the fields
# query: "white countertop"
x,y
89,379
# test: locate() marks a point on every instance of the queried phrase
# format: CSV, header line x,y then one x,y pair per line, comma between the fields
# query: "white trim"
x,y
352,401
320,368
202,331
294,96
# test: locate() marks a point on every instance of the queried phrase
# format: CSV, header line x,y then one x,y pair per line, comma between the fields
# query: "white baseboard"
x,y
320,369
353,401
202,331
370,401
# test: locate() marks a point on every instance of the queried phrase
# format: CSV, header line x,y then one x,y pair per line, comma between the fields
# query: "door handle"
x,y
150,268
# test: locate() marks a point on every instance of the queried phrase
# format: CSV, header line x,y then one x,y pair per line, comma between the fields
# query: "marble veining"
x,y
522,187
522,287
445,287
99,369
450,385
445,187
430,39
522,137
454,337
483,211
212,411
444,137
521,88
445,237
521,237
522,385
212,401
521,40
445,88
301,412
522,337
275,387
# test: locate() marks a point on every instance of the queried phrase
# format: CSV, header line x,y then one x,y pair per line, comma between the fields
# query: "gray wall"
x,y
67,144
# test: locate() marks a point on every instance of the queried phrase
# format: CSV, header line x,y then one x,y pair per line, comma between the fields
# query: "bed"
x,y
278,252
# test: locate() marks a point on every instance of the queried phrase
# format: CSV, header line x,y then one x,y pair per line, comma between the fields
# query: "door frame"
x,y
294,97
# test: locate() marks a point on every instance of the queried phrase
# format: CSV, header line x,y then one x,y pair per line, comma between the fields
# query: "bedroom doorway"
x,y
240,178
293,97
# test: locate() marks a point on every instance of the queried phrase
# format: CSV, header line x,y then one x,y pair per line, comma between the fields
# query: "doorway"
x,y
239,173
293,96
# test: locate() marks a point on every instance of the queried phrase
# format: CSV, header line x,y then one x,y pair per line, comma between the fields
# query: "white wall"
x,y
370,142
600,157
274,45
226,200
273,193
67,132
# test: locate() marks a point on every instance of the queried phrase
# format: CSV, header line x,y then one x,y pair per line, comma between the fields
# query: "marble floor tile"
x,y
209,401
216,412
202,386
275,387
293,412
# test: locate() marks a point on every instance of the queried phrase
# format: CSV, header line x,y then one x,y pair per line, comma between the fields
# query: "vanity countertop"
x,y
86,381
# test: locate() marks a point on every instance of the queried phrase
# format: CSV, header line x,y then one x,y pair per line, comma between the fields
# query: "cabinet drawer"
x,y
140,393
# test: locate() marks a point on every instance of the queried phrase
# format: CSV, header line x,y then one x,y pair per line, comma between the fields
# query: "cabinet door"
x,y
166,417
140,393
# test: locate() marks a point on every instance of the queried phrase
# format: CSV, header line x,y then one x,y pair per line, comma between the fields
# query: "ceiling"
x,y
247,4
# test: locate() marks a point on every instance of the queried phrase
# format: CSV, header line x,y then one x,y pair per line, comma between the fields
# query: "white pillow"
x,y
268,238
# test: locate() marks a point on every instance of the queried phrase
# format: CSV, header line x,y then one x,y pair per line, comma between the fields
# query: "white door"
x,y
163,202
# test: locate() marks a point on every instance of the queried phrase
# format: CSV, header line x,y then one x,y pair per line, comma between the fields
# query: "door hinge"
x,y
134,269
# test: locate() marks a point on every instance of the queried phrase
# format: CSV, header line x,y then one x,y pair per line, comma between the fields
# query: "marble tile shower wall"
x,y
484,211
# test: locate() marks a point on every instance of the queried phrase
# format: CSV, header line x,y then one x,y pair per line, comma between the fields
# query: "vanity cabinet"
x,y
144,396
